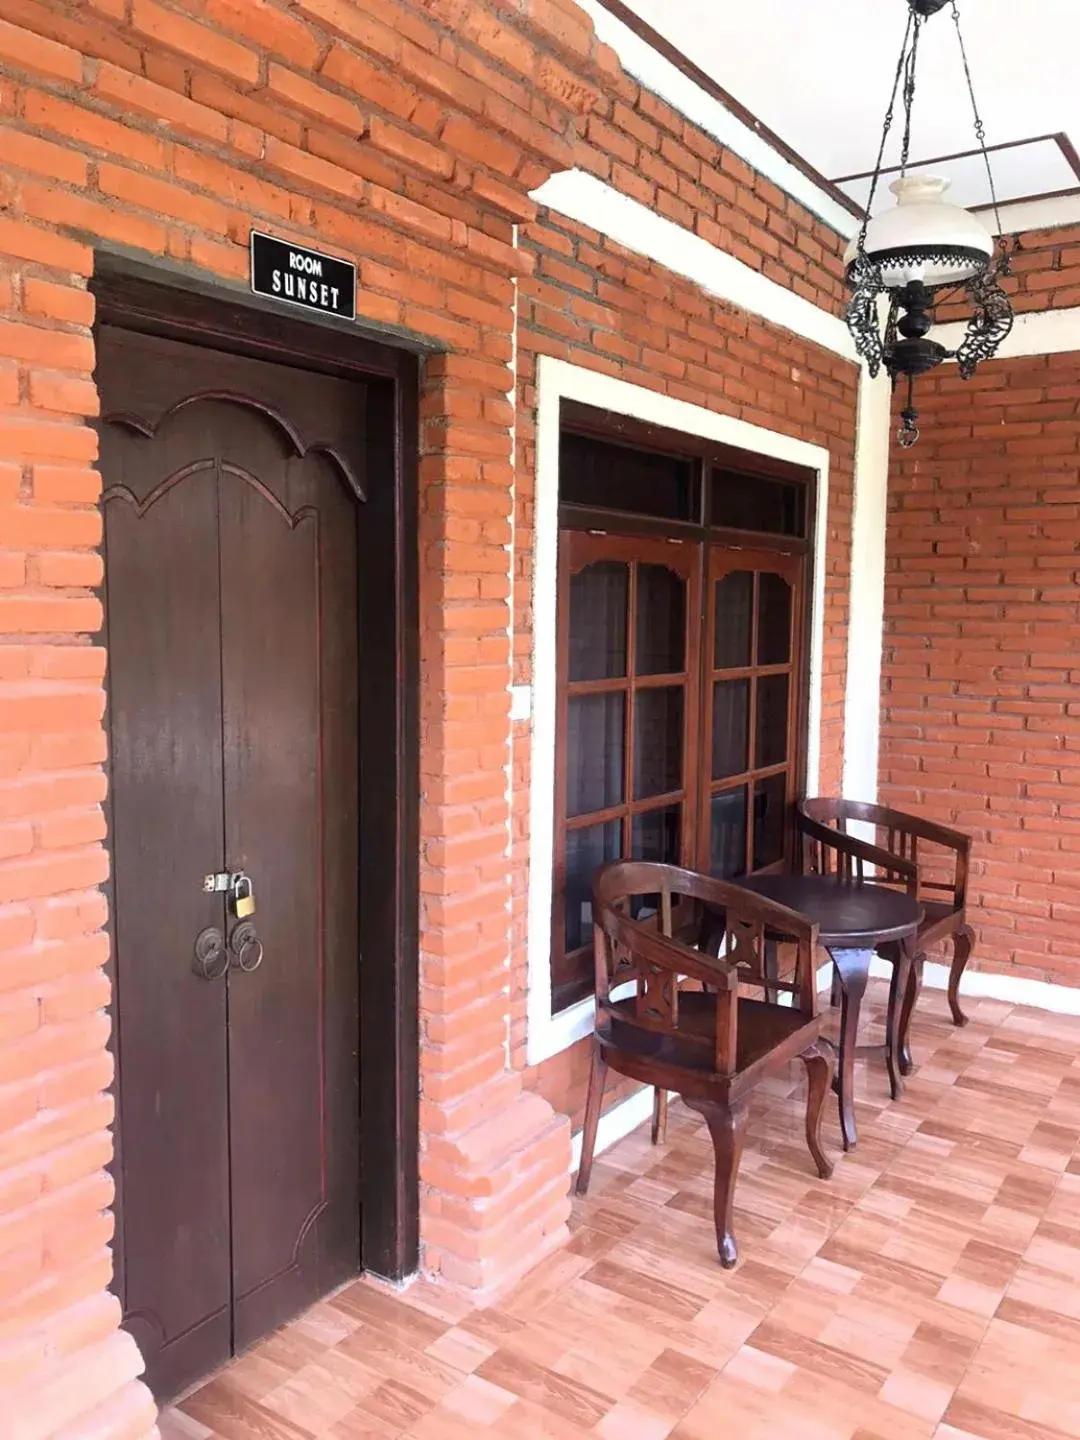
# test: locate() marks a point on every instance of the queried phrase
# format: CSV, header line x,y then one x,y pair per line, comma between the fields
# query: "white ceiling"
x,y
819,77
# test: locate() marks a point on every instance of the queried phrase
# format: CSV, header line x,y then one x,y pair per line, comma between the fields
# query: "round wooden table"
x,y
855,919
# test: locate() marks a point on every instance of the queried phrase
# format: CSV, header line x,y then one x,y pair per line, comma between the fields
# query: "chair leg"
x,y
659,1116
963,942
597,1079
836,993
820,1062
727,1126
771,967
911,994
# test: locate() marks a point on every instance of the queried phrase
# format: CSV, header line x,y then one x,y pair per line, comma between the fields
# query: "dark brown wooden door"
x,y
232,506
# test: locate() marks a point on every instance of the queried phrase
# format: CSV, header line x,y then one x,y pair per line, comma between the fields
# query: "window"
x,y
680,678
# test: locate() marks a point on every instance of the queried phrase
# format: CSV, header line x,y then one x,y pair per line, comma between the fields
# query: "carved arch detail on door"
x,y
301,448
122,492
305,512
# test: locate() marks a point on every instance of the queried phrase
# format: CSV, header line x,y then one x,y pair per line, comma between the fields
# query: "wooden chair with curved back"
x,y
710,1046
935,871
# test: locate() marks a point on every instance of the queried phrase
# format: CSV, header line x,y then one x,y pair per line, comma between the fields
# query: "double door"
x,y
233,497
681,695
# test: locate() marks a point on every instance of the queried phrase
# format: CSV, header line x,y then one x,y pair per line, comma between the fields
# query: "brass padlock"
x,y
243,897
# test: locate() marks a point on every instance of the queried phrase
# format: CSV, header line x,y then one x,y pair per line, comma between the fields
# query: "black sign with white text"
x,y
302,277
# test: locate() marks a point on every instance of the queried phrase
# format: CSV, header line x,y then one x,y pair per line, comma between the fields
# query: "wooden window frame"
x,y
721,561
577,551
587,535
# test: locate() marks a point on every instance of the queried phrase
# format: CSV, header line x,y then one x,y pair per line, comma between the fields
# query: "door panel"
x,y
173,1263
275,786
245,720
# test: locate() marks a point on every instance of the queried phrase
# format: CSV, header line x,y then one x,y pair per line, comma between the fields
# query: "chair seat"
x,y
940,918
763,1028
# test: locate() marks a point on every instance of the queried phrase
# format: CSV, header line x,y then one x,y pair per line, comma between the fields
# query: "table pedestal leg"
x,y
910,995
896,1022
853,970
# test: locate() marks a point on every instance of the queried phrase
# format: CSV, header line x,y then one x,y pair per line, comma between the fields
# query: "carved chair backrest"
x,y
646,919
940,856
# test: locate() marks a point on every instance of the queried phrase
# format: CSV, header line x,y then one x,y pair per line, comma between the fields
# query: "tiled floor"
x,y
931,1288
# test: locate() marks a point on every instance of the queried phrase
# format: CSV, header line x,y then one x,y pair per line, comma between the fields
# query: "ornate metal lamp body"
x,y
915,253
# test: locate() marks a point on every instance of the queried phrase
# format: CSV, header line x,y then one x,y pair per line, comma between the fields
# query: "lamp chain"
x,y
980,128
889,113
909,92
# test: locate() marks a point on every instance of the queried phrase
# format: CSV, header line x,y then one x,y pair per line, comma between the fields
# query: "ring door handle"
x,y
210,960
246,947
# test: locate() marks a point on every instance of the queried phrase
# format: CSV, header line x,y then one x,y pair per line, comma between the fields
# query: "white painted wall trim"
x,y
1046,214
582,197
616,1124
981,985
558,380
659,75
866,608
1035,332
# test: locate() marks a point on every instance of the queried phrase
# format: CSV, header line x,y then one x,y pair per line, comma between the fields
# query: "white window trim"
x,y
557,380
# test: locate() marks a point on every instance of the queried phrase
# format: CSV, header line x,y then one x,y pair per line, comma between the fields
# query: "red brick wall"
x,y
595,304
981,710
1045,272
641,146
404,134
366,128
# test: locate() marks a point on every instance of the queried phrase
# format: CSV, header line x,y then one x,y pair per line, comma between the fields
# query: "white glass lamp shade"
x,y
924,237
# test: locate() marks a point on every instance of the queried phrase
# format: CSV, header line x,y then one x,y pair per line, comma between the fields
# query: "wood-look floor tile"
x,y
968,1419
672,1383
478,1401
543,1387
232,1416
311,1400
936,1275
824,1360
361,1424
528,1420
174,1425
630,1421
460,1350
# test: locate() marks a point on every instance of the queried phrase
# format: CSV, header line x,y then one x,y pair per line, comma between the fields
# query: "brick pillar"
x,y
65,1368
495,1160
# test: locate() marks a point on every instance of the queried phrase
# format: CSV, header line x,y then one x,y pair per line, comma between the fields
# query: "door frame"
x,y
141,298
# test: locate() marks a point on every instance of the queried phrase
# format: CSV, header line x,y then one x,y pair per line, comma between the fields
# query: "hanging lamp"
x,y
916,253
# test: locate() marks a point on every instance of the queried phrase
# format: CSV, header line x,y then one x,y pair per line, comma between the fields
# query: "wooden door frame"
x,y
154,301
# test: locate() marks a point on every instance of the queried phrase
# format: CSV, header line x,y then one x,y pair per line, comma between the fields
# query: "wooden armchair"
x,y
710,1046
936,871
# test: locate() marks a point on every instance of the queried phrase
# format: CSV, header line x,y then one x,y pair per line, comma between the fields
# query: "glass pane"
x,y
748,502
661,621
730,728
604,476
595,741
586,851
770,805
733,599
727,834
655,835
658,741
770,746
774,620
598,602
